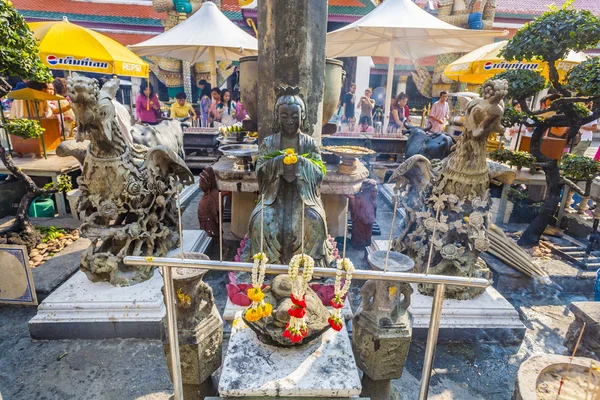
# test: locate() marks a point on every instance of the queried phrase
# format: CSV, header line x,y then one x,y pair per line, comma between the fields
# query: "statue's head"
x,y
290,111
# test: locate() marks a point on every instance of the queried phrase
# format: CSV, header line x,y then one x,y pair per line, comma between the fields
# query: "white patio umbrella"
x,y
400,28
207,35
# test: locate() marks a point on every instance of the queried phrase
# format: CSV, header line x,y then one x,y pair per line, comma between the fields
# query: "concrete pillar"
x,y
401,88
363,75
291,48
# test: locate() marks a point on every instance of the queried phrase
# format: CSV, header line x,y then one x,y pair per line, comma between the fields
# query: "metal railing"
x,y
440,282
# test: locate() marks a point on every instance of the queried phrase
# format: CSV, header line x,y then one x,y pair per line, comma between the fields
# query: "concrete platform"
x,y
81,309
324,368
486,318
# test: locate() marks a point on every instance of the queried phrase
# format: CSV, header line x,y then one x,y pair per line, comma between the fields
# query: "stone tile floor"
x,y
136,369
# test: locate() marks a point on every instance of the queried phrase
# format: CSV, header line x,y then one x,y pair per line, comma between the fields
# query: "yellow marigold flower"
x,y
267,309
185,300
289,152
252,315
255,294
294,159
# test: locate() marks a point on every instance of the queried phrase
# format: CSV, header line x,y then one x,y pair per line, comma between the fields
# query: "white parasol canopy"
x,y
400,28
207,35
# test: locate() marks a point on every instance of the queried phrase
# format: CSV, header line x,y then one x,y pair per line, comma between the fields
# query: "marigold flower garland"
x,y
335,320
259,308
296,329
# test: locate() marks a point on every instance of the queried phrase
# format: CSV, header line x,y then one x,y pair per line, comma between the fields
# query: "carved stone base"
x,y
200,355
381,352
324,368
378,390
82,309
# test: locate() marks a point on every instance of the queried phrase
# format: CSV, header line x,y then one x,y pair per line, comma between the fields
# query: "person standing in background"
x,y
147,106
440,110
587,132
59,87
181,108
349,103
226,108
205,102
215,94
399,113
366,108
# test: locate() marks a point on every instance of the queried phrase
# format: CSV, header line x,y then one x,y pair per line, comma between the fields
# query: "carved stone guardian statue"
x,y
128,193
452,199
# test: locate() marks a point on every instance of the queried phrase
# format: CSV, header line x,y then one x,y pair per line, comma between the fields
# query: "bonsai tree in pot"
x,y
550,38
19,56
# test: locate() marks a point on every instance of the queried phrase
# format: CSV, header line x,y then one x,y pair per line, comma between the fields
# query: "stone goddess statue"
x,y
289,189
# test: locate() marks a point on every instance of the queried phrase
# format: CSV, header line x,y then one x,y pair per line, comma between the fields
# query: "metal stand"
x,y
436,308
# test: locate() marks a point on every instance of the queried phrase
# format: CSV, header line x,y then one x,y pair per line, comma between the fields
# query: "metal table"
x,y
51,168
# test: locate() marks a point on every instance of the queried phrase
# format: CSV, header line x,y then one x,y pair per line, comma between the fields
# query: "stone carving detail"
x,y
208,207
128,194
199,327
270,329
460,189
289,191
382,327
364,211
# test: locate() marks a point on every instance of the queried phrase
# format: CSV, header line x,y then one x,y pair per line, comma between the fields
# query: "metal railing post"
x,y
432,337
173,334
440,282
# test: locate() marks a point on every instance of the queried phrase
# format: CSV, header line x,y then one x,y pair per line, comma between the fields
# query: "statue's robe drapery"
x,y
284,202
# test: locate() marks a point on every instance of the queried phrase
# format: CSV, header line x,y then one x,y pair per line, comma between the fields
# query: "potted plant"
x,y
19,56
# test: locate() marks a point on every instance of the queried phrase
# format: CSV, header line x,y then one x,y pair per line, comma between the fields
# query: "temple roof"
x,y
133,23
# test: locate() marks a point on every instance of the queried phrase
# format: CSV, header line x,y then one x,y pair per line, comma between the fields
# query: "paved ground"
x,y
136,369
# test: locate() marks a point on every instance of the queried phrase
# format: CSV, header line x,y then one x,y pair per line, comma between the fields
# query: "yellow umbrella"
x,y
67,46
479,65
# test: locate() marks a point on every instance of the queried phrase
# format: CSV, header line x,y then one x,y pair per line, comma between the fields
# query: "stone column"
x,y
382,332
200,331
402,79
291,48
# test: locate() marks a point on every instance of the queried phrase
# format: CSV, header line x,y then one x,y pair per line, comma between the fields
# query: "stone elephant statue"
x,y
431,145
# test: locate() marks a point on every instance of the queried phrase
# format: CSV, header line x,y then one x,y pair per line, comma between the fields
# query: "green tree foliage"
x,y
19,54
584,79
522,83
550,38
556,32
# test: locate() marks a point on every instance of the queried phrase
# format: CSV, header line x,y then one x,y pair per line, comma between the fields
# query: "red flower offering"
x,y
335,323
297,312
299,303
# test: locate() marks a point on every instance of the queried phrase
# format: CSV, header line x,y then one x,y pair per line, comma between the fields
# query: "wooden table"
x,y
523,177
51,167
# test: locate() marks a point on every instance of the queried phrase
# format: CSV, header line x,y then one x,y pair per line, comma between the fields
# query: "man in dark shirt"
x,y
349,104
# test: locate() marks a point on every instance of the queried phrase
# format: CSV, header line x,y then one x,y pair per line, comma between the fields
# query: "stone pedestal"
x,y
200,354
322,368
82,309
291,48
244,186
488,317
